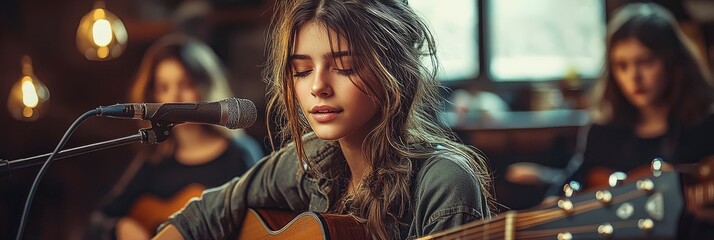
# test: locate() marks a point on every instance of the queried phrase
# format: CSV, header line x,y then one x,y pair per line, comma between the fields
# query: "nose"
x,y
636,74
321,85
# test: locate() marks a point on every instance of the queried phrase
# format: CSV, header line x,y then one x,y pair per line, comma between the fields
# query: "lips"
x,y
324,113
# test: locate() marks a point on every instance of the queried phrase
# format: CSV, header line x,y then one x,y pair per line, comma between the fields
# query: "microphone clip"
x,y
158,132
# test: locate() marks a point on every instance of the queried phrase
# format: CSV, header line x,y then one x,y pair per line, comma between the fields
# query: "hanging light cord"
x,y
43,170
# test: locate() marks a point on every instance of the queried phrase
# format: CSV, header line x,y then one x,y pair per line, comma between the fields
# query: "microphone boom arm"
x,y
157,133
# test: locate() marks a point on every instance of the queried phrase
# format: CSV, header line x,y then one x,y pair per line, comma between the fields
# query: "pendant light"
x,y
28,96
101,35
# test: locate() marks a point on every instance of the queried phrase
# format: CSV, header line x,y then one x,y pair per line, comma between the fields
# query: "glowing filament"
x,y
102,32
29,93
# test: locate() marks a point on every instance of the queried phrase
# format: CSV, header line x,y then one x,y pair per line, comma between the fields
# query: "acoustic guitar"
x,y
649,208
276,224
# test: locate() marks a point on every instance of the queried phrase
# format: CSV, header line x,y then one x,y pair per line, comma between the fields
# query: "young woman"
x,y
347,82
176,68
655,99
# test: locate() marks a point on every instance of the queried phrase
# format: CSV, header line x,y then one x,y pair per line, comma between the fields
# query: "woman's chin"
x,y
326,133
325,136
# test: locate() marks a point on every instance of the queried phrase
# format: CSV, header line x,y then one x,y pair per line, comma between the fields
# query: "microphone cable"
x,y
43,170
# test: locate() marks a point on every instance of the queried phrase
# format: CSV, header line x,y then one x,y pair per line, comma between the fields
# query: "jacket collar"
x,y
328,163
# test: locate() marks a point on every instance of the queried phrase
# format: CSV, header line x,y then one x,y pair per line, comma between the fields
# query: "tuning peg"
x,y
566,205
645,224
570,188
565,236
604,196
657,164
645,185
617,178
605,230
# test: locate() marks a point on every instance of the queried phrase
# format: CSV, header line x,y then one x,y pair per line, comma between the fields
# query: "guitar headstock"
x,y
647,208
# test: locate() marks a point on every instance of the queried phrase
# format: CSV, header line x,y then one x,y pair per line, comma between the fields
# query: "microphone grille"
x,y
241,113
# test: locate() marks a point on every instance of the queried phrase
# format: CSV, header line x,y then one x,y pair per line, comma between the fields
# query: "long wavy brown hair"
x,y
390,41
689,94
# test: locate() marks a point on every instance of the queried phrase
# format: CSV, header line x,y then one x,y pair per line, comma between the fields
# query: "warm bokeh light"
x,y
101,35
99,14
28,95
27,112
29,92
102,32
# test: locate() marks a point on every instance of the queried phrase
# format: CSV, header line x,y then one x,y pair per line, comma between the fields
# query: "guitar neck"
x,y
501,227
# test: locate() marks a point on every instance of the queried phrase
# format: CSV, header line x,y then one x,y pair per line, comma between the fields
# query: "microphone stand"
x,y
157,133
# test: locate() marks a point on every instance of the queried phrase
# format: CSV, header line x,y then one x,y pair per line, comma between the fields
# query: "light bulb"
x,y
101,35
28,96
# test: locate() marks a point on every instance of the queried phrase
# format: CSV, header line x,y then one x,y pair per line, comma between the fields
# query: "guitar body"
x,y
150,211
276,224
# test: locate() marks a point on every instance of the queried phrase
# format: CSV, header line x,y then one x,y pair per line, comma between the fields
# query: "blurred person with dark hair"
x,y
162,177
655,100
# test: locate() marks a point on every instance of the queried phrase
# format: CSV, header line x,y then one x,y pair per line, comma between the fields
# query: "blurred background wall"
x,y
503,104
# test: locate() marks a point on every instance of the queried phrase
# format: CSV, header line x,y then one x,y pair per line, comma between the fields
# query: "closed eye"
x,y
302,74
345,71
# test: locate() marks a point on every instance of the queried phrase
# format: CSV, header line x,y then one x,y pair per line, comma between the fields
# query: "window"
x,y
454,24
544,40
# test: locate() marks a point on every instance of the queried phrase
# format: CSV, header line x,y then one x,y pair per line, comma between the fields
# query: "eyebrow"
x,y
332,55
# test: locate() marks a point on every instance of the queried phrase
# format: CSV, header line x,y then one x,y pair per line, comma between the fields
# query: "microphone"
x,y
232,113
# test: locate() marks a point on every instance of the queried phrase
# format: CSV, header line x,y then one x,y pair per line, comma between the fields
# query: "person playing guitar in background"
x,y
176,68
654,101
361,110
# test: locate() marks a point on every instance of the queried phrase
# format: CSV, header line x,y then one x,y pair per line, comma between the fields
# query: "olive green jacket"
x,y
445,192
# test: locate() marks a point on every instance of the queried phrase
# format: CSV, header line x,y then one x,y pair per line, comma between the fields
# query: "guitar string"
x,y
549,233
530,234
532,218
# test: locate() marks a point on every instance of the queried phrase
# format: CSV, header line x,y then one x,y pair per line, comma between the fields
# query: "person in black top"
x,y
176,68
655,100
